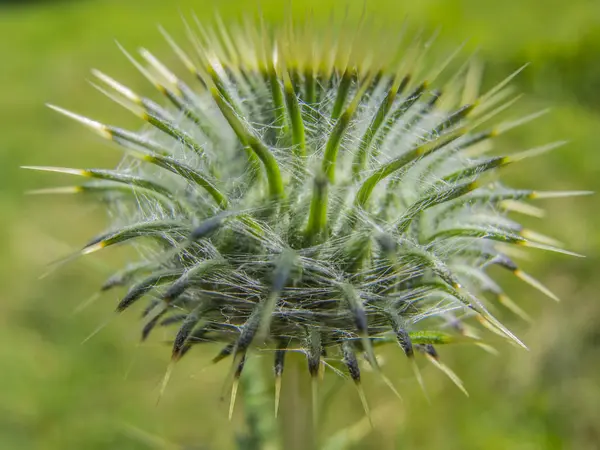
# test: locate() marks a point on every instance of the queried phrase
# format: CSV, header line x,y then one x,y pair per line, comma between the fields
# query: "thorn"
x,y
92,124
487,348
558,194
538,150
513,307
363,400
541,238
389,384
230,378
523,208
494,323
503,128
136,107
419,377
449,373
140,68
165,380
121,89
277,393
98,329
55,265
235,384
549,248
56,190
535,284
234,388
87,302
65,170
187,62
160,67
488,326
488,115
147,439
503,83
93,248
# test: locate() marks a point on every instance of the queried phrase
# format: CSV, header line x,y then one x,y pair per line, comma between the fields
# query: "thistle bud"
x,y
309,192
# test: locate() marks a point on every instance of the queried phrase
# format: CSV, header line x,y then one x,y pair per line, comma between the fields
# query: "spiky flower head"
x,y
308,193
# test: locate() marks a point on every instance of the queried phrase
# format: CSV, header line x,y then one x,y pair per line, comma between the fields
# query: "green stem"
x,y
260,422
297,429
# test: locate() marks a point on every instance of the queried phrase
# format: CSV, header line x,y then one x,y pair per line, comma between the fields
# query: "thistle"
x,y
310,193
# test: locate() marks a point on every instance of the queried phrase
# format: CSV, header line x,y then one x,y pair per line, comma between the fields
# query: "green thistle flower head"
x,y
308,193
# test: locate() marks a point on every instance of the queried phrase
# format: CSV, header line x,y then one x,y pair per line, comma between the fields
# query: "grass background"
x,y
59,394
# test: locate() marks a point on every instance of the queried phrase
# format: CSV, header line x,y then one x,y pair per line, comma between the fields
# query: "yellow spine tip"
x,y
93,248
277,394
234,389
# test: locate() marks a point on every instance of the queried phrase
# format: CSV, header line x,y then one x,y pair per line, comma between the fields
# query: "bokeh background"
x,y
56,393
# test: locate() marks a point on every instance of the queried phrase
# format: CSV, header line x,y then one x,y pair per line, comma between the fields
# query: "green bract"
x,y
307,192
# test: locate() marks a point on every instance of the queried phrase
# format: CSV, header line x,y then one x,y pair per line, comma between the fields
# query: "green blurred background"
x,y
58,394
